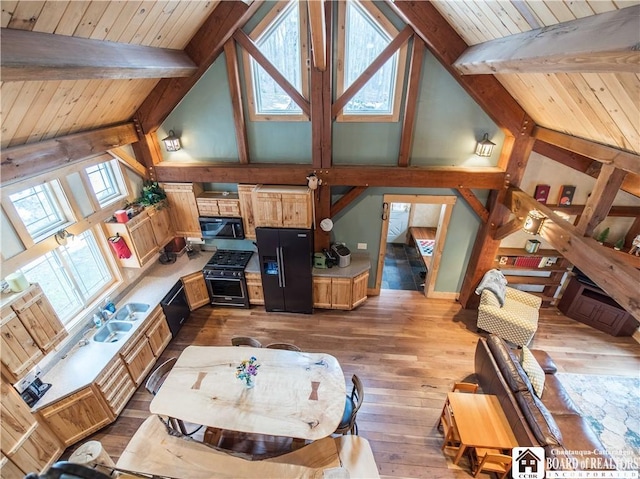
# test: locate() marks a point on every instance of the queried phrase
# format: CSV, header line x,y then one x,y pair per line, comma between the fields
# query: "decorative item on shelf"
x,y
247,371
603,235
62,236
542,193
151,194
485,146
619,244
121,216
534,221
172,142
566,195
635,246
532,246
17,282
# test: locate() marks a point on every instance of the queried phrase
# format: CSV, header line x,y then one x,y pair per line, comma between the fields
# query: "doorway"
x,y
412,240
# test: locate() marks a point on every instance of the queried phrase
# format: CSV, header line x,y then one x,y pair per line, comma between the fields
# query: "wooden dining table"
x,y
481,422
296,394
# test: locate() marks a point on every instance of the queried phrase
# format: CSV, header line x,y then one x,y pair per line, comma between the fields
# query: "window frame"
x,y
117,183
247,60
340,64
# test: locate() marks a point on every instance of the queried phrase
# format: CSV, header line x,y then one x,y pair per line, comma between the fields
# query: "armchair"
x,y
516,321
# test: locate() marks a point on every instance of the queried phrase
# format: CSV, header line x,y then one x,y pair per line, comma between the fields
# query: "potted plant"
x,y
602,237
619,244
151,194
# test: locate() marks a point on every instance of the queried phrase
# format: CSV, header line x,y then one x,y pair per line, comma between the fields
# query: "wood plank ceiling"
x,y
36,110
603,107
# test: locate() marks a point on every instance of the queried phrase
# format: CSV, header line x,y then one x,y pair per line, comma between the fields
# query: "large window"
x,y
106,182
71,276
281,38
41,210
364,32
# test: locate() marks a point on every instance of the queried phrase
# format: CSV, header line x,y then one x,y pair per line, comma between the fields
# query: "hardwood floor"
x,y
408,350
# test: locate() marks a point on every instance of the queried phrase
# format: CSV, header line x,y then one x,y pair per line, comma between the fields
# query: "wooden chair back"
x,y
465,387
157,377
245,341
357,397
497,463
285,346
450,429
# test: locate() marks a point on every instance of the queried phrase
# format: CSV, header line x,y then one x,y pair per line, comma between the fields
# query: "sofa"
x,y
551,421
516,320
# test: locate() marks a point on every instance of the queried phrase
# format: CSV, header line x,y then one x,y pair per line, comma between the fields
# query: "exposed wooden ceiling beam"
x,y
28,160
507,229
246,43
346,199
601,264
28,55
476,205
235,90
446,45
617,211
607,42
320,96
411,102
601,199
317,25
623,160
631,183
203,49
371,70
295,174
130,161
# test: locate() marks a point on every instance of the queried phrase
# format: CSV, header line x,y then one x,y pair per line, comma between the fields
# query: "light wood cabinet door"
x,y
183,207
359,291
19,351
139,358
341,293
267,209
144,240
254,288
17,420
246,210
229,207
296,210
196,290
38,452
161,222
321,292
282,206
158,332
75,417
8,468
39,318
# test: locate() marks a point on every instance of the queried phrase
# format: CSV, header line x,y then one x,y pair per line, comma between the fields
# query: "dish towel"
x,y
494,281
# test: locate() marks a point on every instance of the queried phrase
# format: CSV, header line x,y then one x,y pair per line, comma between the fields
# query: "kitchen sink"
x,y
112,332
129,312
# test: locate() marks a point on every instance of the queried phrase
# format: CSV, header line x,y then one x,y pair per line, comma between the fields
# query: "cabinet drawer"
x,y
229,207
207,207
140,361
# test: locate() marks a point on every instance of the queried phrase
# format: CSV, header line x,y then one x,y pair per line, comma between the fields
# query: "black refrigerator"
x,y
286,257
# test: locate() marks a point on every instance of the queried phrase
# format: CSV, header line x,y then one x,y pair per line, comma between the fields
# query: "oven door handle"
x,y
281,269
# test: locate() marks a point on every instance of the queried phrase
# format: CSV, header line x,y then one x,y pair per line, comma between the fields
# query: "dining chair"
x,y
490,460
352,404
285,346
245,341
451,434
155,380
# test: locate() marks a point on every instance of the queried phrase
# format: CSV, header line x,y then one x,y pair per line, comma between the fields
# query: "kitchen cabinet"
x,y
116,385
282,206
39,451
160,217
138,356
340,292
183,207
254,288
139,235
19,351
212,203
77,416
158,332
196,290
246,210
592,306
8,468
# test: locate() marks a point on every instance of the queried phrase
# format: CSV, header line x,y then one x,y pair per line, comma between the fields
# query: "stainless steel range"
x,y
224,275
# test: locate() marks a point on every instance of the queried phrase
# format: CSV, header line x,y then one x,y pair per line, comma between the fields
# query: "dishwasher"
x,y
175,307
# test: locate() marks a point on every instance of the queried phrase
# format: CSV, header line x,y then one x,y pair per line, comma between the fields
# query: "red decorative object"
x,y
566,195
120,247
542,193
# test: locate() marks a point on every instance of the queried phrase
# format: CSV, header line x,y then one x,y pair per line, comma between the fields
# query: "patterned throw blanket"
x,y
426,246
494,281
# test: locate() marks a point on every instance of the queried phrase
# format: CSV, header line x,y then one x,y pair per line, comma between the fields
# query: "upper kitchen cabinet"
x,y
282,206
30,328
160,217
246,210
184,207
213,203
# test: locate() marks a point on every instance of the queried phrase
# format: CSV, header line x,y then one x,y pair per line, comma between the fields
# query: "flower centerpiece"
x,y
247,370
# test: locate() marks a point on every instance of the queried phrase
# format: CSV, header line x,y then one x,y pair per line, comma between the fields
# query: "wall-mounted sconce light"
x,y
533,222
485,146
172,142
62,236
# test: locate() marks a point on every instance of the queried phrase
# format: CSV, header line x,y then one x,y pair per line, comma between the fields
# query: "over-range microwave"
x,y
221,227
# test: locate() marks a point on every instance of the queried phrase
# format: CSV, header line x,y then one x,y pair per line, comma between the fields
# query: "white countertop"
x,y
83,364
360,263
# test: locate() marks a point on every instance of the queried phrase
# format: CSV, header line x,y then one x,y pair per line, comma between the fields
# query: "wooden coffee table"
x,y
481,422
299,395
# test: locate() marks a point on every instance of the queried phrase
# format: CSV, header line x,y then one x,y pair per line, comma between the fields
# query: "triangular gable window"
x,y
279,36
364,33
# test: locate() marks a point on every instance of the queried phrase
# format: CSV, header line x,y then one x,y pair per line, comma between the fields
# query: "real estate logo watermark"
x,y
527,463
